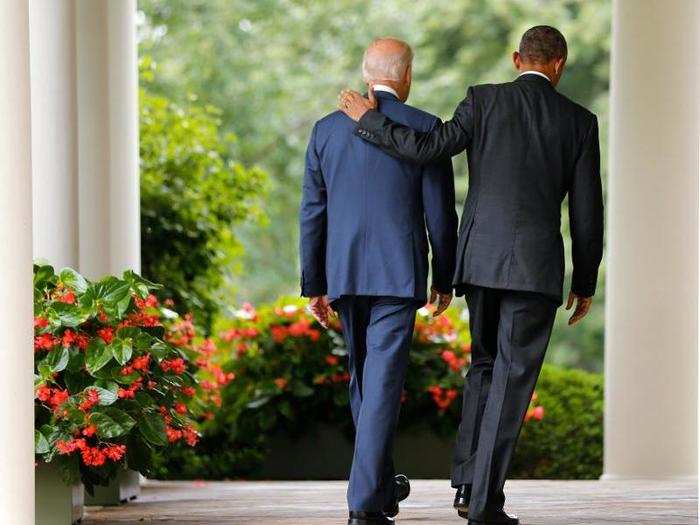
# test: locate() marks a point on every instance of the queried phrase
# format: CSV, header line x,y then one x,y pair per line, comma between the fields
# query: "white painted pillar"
x,y
108,137
652,256
54,131
16,353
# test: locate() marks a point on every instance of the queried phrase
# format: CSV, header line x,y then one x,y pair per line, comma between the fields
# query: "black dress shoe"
x,y
464,493
402,490
358,517
493,518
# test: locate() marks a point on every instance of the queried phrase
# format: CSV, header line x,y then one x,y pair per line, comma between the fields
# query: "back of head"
x,y
542,45
388,61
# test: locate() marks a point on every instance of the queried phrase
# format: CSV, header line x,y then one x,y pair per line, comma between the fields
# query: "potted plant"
x,y
110,389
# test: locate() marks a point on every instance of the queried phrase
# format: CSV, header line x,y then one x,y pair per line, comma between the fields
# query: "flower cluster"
x,y
105,374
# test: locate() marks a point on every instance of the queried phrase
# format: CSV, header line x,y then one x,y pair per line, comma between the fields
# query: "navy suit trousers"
x,y
378,332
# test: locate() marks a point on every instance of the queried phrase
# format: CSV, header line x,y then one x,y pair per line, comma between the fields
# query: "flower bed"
x,y
290,375
112,382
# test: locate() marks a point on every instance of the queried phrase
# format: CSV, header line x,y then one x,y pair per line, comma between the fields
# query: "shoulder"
x,y
330,124
581,114
416,118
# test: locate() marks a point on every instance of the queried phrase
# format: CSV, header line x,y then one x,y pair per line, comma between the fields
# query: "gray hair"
x,y
380,64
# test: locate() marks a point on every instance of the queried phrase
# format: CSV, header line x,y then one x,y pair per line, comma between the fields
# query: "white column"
x,y
54,131
652,256
16,388
108,137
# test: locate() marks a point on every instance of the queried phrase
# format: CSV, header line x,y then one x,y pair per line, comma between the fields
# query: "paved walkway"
x,y
312,503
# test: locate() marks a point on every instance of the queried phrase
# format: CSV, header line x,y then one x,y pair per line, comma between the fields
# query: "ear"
x,y
409,74
559,65
516,60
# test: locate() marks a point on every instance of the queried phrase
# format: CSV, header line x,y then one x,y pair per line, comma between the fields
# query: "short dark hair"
x,y
542,44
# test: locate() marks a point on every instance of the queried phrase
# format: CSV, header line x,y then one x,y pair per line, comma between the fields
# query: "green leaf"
x,y
57,359
42,275
71,315
107,396
73,279
121,350
41,444
257,403
97,356
299,389
112,422
152,427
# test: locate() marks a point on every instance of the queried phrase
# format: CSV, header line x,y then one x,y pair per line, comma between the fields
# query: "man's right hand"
x,y
355,105
321,309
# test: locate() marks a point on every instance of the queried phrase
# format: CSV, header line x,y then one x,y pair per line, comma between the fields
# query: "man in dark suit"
x,y
364,253
528,146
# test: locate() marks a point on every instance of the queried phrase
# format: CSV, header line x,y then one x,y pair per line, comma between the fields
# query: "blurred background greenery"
x,y
257,75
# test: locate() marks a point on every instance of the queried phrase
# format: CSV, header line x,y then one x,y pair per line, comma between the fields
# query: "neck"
x,y
396,86
547,71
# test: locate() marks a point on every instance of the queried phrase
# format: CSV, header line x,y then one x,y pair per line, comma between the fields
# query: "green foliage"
x,y
568,442
193,196
274,67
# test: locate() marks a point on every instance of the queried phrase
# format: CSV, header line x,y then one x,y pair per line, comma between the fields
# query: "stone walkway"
x,y
314,502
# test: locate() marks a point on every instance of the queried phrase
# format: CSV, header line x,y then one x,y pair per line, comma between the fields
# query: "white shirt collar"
x,y
388,89
534,73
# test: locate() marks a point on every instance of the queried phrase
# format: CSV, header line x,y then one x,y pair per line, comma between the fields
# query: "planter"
x,y
55,502
326,453
124,488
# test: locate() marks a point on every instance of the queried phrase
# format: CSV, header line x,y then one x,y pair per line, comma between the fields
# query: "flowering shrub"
x,y
290,371
111,382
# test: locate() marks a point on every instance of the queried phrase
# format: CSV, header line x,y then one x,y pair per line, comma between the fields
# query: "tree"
x,y
193,196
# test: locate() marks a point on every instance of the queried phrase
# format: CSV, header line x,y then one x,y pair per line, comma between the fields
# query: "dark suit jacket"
x,y
364,213
527,147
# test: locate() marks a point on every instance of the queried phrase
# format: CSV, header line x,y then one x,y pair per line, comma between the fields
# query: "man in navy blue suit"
x,y
364,254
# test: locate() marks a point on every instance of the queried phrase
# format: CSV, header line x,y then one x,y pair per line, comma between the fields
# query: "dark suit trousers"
x,y
510,332
378,332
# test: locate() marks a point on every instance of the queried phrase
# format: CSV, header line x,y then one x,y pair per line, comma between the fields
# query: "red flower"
x,y
130,392
173,434
93,456
106,333
180,408
45,342
68,447
58,397
188,391
452,360
114,452
332,360
281,383
149,302
538,413
92,397
191,437
40,322
443,398
89,431
67,298
142,363
279,333
43,393
176,365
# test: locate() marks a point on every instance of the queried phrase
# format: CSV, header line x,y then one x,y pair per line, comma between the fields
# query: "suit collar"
x,y
384,95
535,78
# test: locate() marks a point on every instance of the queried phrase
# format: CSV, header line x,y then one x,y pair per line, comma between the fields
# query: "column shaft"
x,y
652,261
54,131
16,350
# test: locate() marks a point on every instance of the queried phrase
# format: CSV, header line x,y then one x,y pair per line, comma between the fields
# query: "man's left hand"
x,y
355,105
583,304
443,299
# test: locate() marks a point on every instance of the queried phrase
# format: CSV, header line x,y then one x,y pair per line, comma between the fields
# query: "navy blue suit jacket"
x,y
364,213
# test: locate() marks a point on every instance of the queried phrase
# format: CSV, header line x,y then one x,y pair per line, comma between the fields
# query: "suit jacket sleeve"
x,y
441,221
586,215
447,139
312,222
